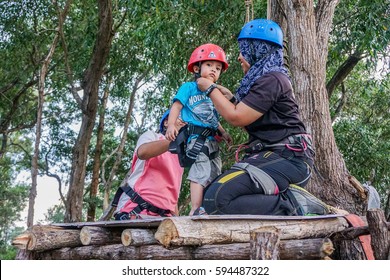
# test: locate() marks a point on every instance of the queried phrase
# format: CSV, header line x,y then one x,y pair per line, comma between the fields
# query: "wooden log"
x,y
350,233
264,243
145,222
138,237
380,235
41,238
358,186
115,252
350,248
21,241
179,231
304,249
99,236
26,255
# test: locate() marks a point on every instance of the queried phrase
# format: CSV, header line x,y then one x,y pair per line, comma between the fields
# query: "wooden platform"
x,y
198,237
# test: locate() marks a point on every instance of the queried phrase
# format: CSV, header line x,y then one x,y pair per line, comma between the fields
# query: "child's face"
x,y
211,70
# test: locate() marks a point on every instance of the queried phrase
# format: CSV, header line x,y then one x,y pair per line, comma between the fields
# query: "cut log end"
x,y
166,232
21,241
126,237
85,236
327,248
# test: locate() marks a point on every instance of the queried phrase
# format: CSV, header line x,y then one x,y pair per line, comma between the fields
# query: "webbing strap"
x,y
299,143
186,159
197,147
259,177
136,198
365,240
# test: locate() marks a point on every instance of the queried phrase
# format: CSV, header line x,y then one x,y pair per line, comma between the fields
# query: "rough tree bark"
x,y
90,87
308,28
91,212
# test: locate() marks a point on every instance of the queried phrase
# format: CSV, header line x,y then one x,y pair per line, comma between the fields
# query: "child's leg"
x,y
196,196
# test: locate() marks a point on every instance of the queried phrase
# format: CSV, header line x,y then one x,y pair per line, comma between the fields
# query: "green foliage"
x,y
55,214
155,39
361,26
12,202
7,251
361,129
363,133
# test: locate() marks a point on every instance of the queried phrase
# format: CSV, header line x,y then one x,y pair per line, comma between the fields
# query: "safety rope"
x,y
249,10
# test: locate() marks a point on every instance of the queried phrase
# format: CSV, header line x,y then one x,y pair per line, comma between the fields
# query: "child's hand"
x,y
203,83
171,132
227,138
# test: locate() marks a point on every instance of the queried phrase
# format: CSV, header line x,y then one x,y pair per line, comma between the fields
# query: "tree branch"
x,y
48,173
342,101
68,70
343,71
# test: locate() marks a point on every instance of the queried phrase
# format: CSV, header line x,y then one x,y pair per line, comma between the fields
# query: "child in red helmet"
x,y
197,110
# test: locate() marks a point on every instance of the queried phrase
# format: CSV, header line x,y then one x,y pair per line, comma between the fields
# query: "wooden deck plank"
x,y
154,222
264,217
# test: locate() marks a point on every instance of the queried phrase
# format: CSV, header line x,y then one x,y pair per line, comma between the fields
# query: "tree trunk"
x,y
38,132
307,34
90,86
380,235
119,150
91,212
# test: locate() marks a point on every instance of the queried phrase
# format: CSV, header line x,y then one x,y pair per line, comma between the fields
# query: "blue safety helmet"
x,y
164,116
262,29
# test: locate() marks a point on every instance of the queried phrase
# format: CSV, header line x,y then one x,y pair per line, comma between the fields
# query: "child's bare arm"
x,y
225,136
172,130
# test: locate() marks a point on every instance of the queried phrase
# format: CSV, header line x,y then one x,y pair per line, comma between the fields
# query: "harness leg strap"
x,y
259,178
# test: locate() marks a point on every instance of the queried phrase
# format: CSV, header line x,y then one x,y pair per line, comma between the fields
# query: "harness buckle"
x,y
255,147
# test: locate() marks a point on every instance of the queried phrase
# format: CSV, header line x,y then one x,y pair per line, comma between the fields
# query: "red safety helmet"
x,y
207,52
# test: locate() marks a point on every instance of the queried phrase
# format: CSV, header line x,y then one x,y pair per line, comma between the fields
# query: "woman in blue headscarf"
x,y
279,151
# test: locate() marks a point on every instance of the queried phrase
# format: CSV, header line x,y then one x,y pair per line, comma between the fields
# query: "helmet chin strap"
x,y
197,75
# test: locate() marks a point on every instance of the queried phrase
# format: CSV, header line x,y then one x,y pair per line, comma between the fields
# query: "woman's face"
x,y
244,64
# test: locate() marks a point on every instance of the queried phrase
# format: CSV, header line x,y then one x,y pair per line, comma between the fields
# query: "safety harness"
x,y
304,203
299,144
136,198
179,146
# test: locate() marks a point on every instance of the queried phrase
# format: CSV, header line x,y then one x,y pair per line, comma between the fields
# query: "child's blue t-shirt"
x,y
198,109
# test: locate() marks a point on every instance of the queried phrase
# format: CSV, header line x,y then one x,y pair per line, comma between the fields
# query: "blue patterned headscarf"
x,y
263,58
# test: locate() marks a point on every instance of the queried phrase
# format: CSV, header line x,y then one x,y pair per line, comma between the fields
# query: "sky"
x,y
47,196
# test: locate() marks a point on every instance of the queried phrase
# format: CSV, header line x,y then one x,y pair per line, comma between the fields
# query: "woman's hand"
x,y
226,92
